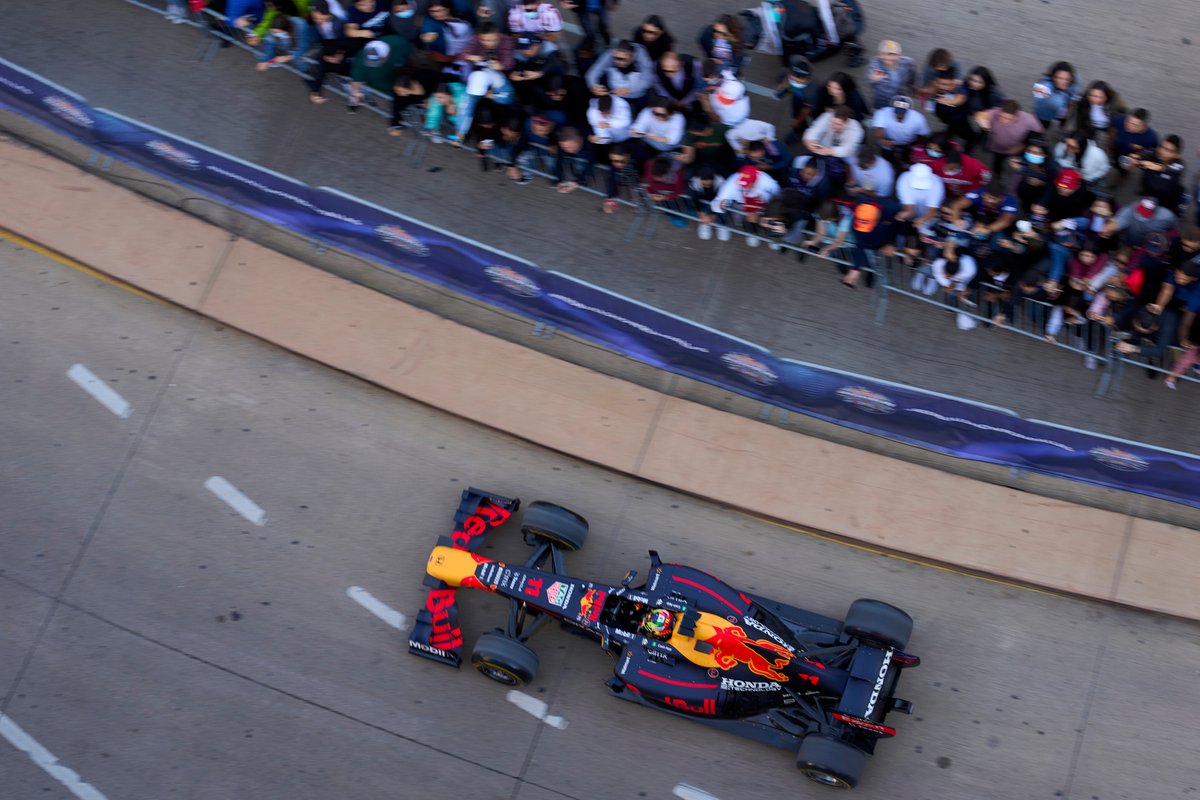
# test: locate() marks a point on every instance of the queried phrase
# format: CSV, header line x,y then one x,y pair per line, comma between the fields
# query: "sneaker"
x,y
776,246
678,222
523,180
723,234
753,241
704,231
610,205
1091,363
437,138
1169,382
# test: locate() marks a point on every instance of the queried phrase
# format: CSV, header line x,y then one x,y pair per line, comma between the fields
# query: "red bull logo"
x,y
591,604
764,657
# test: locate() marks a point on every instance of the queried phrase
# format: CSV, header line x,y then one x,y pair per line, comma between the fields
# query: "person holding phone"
x,y
890,74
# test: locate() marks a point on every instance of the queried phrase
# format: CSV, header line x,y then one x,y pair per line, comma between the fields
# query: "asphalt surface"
x,y
129,60
160,645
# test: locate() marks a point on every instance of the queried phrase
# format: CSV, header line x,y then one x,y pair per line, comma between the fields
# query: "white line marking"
x,y
46,760
685,792
367,601
535,707
230,495
99,390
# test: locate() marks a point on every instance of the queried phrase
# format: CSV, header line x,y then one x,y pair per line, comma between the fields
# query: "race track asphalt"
x,y
160,645
129,60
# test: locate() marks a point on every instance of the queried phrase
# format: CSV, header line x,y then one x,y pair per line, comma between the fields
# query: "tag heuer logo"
x,y
559,594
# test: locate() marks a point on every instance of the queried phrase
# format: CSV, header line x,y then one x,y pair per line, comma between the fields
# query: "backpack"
x,y
843,20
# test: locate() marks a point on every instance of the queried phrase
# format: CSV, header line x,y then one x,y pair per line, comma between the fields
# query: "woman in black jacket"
x,y
841,90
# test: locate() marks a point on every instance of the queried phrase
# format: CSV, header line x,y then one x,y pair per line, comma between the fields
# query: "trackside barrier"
x,y
938,423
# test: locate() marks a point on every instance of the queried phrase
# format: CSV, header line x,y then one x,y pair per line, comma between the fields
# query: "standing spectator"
x,y
678,79
982,96
407,91
444,34
1130,137
329,31
653,35
574,163
796,84
872,177
532,68
659,129
1076,151
621,175
705,145
961,173
1162,173
488,86
488,48
890,74
541,154
1135,223
1055,95
722,43
1094,115
1033,172
921,194
593,18
950,106
841,90
953,271
244,15
874,234
939,60
835,133
702,190
729,102
403,21
624,71
1008,129
366,20
666,181
751,189
898,127
609,118
535,16
442,110
988,211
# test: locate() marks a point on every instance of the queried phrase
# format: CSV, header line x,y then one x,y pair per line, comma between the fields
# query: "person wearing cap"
x,y
751,189
1136,222
532,64
1076,151
1069,199
489,47
898,126
890,73
796,85
729,101
535,16
921,194
376,66
624,70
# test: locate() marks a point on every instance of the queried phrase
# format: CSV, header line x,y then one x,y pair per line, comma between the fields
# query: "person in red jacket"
x,y
666,180
961,173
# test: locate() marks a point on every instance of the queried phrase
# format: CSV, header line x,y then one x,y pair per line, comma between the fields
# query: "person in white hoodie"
x,y
729,102
752,189
610,118
659,127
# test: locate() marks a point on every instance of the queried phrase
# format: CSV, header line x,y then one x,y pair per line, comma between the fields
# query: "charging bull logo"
x,y
590,605
762,656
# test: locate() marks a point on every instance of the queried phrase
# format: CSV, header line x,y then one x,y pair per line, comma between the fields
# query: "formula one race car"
x,y
683,641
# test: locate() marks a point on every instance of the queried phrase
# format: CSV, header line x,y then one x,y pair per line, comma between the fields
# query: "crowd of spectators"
x,y
1063,194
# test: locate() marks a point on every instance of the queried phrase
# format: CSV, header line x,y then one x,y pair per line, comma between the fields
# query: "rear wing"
x,y
436,634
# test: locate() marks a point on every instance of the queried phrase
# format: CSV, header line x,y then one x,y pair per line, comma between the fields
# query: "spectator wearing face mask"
x,y
537,17
796,85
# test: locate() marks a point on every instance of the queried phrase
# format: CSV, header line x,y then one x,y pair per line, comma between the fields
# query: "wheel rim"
x,y
825,778
499,674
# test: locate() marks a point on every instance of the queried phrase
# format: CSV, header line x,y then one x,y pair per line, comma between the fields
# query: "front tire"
x,y
555,524
830,762
880,622
504,659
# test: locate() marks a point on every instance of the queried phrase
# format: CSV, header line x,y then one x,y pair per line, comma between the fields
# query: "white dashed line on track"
x,y
685,792
368,601
531,705
99,390
68,777
231,496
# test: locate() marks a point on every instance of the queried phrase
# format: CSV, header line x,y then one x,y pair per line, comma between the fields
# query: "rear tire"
x,y
504,659
880,622
555,524
830,762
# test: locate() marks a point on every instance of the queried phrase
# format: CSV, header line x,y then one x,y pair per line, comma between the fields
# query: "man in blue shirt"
x,y
898,126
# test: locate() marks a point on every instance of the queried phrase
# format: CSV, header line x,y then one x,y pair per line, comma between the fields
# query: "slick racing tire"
x,y
830,762
504,659
880,622
555,524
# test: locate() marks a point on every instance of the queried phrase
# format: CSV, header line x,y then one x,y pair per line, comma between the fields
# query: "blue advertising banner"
x,y
935,422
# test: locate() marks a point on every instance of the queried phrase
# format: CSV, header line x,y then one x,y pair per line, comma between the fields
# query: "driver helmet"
x,y
658,622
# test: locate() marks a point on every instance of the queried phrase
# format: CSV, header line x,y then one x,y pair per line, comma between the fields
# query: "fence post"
x,y
883,269
1110,364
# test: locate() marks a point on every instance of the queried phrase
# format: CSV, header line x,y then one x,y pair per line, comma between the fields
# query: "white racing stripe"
x,y
46,760
231,496
99,390
685,792
367,601
531,705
